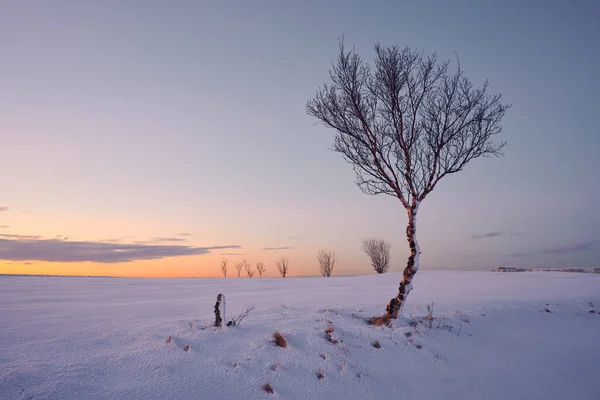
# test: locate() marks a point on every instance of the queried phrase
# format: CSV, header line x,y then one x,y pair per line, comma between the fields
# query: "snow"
x,y
491,338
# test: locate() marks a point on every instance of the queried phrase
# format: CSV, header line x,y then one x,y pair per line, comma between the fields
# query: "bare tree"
x,y
248,269
378,251
239,267
404,124
282,266
326,262
260,267
224,267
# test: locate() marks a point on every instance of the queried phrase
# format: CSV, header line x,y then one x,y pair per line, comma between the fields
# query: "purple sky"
x,y
150,119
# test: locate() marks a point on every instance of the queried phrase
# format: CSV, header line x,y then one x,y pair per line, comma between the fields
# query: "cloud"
x,y
35,248
157,240
19,237
572,248
186,234
276,248
487,235
233,254
513,234
4,226
521,255
3,208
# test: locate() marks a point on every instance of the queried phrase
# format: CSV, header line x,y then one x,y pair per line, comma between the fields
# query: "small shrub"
x,y
267,388
376,344
279,340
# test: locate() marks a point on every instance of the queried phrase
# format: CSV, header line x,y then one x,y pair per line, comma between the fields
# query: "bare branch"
x,y
326,260
407,122
378,251
282,266
224,267
260,267
248,269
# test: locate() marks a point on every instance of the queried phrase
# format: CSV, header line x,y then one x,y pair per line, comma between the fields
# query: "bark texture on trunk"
x,y
396,304
218,319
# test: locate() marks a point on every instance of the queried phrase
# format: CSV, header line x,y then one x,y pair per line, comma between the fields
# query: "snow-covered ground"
x,y
492,337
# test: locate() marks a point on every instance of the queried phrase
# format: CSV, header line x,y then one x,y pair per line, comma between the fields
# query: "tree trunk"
x,y
396,304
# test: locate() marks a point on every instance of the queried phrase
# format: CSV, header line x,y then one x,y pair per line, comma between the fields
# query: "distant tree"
x,y
378,251
282,266
224,267
326,260
404,124
248,268
260,267
239,266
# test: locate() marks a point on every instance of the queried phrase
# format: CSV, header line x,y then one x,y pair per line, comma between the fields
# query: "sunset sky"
x,y
154,138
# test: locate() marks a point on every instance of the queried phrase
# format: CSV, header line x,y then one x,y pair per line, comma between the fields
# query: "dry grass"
x,y
169,339
376,344
267,388
187,347
320,375
279,340
384,320
275,366
419,346
328,335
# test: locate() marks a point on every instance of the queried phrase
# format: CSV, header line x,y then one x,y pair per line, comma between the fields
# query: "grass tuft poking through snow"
x,y
376,344
267,388
320,374
279,340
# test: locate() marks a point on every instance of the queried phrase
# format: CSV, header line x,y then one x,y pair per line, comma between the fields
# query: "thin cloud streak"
x,y
158,240
572,248
186,234
34,248
3,208
276,248
488,235
4,226
521,255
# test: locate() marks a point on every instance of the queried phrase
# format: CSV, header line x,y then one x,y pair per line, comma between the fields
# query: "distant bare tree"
x,y
378,251
260,267
239,267
224,267
326,262
404,124
282,266
248,269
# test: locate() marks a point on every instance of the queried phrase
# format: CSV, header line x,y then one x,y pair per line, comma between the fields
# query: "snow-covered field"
x,y
492,337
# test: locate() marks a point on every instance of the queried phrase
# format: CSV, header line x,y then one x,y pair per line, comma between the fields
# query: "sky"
x,y
156,138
